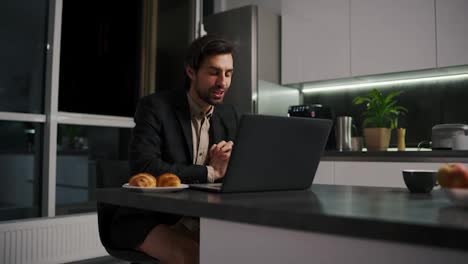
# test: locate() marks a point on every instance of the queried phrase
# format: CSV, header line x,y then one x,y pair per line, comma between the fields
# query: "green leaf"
x,y
381,111
360,100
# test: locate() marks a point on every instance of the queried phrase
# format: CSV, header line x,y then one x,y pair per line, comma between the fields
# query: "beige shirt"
x,y
200,136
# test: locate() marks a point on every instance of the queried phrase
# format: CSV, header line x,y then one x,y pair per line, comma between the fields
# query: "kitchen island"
x,y
325,224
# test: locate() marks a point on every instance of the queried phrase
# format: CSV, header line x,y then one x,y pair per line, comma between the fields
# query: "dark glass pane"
x,y
99,61
80,151
23,29
20,166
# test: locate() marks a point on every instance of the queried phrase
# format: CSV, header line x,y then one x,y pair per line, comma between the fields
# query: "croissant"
x,y
143,180
168,180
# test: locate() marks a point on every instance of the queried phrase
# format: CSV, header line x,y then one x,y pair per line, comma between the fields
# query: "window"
x,y
105,57
23,49
22,55
20,166
100,57
79,150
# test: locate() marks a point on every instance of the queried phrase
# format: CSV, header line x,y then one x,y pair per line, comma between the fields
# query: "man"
x,y
188,133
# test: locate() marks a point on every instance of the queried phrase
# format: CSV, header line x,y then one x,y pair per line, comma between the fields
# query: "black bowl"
x,y
420,181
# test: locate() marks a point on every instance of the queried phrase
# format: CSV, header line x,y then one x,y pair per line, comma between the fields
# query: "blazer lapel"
x,y
216,128
220,127
183,115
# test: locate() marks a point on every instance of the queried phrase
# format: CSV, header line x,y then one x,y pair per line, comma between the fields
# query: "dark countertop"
x,y
398,156
391,214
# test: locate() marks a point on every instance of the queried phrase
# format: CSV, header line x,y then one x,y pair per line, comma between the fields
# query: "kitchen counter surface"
x,y
390,214
398,156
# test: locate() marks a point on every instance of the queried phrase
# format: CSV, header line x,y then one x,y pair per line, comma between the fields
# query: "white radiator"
x,y
50,240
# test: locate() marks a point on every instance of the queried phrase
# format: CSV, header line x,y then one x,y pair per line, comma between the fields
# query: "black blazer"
x,y
162,137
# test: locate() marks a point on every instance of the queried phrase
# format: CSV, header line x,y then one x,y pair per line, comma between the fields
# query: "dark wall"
x,y
428,104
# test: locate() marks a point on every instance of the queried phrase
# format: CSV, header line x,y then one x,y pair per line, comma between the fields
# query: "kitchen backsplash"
x,y
428,104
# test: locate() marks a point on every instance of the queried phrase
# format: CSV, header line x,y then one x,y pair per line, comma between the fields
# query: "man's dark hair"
x,y
203,47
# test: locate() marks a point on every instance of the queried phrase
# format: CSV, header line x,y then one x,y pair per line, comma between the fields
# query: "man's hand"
x,y
219,157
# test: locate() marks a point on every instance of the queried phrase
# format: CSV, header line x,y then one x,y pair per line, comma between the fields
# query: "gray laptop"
x,y
273,153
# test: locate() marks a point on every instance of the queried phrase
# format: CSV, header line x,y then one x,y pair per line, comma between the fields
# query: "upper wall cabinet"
x,y
315,40
452,32
271,6
392,36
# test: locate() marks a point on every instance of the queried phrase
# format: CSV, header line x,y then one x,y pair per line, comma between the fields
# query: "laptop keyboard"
x,y
218,184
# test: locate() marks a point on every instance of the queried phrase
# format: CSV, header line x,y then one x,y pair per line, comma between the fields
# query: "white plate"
x,y
458,195
155,189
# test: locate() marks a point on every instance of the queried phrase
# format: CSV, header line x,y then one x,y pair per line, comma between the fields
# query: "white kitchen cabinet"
x,y
315,40
224,5
291,46
392,36
363,173
452,32
325,173
381,174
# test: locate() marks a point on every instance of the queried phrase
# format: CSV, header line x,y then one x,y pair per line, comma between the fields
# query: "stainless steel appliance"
x,y
315,111
255,87
343,129
446,136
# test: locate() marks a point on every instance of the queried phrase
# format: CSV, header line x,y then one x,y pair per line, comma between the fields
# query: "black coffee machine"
x,y
315,111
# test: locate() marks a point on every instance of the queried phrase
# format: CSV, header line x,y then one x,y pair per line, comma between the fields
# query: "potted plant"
x,y
380,116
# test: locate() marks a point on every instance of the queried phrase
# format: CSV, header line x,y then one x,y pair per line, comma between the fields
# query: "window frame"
x,y
51,118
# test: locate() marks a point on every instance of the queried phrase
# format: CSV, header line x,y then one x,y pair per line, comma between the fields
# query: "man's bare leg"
x,y
170,246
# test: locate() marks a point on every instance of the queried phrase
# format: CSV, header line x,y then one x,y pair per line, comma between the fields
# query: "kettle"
x,y
450,136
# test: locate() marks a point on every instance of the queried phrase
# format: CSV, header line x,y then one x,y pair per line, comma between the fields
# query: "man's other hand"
x,y
219,157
